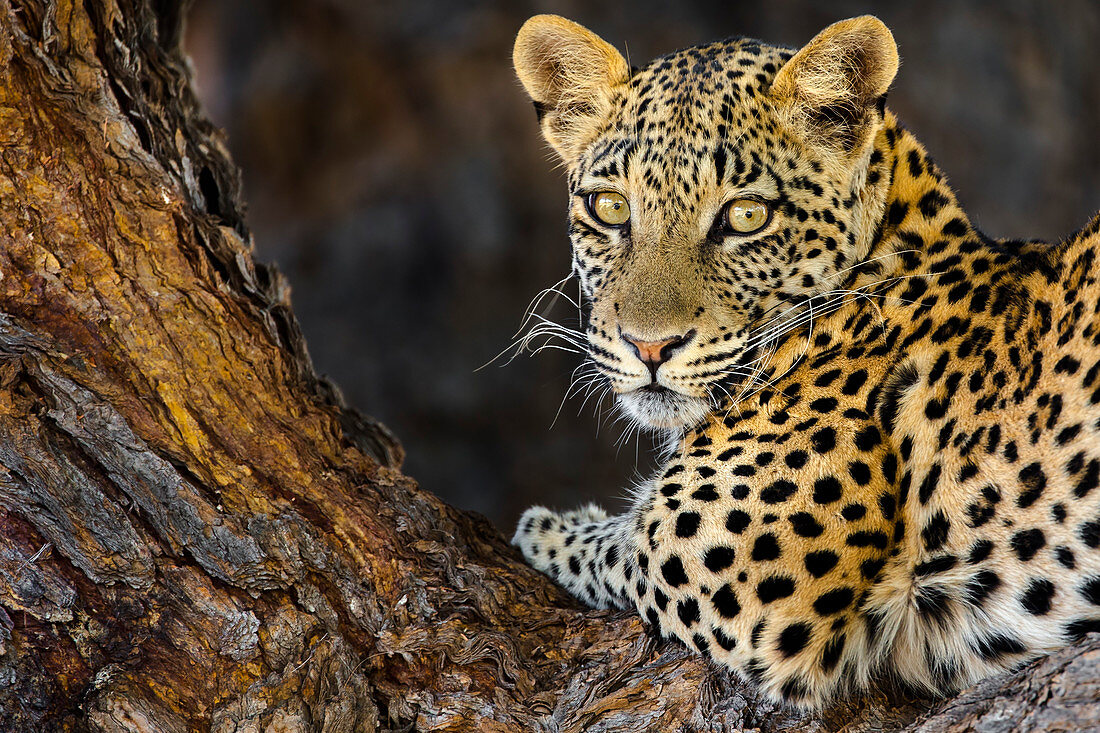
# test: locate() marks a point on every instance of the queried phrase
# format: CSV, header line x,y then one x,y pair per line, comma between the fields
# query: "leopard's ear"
x,y
836,83
570,73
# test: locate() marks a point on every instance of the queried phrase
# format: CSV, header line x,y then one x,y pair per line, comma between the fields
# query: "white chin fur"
x,y
664,410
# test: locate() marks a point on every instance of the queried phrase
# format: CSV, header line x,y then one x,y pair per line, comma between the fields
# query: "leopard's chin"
x,y
664,409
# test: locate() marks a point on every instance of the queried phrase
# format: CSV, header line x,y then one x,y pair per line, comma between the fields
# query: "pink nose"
x,y
656,353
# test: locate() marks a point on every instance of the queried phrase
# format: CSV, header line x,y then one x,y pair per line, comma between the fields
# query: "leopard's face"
x,y
734,218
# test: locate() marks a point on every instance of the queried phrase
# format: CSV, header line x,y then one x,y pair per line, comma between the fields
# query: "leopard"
x,y
882,426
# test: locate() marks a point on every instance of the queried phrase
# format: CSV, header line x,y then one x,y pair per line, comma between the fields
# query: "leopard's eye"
x,y
609,207
745,216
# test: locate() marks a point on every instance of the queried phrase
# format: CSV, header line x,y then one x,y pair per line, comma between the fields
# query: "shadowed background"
x,y
395,173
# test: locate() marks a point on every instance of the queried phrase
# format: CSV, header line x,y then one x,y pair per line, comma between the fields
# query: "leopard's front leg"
x,y
754,546
584,550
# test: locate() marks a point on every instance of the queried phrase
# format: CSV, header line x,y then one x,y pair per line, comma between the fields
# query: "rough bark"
x,y
196,533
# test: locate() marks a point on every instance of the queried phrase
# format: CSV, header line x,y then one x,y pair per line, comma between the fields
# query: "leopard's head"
x,y
711,192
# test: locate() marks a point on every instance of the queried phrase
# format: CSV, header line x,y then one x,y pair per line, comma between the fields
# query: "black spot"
x,y
805,525
1067,365
574,565
673,572
859,472
794,638
1067,434
726,642
706,492
778,492
796,459
1066,558
754,670
737,520
870,569
1079,629
1034,481
793,689
1090,533
935,532
1090,590
890,468
660,598
928,485
899,381
887,504
864,538
687,524
766,547
725,602
979,551
1026,543
688,611
868,438
823,404
820,562
831,654
671,489
980,586
996,646
1037,596
932,602
1089,481
931,203
823,440
940,564
740,491
936,409
717,559
774,588
827,490
853,512
833,601
853,383
896,212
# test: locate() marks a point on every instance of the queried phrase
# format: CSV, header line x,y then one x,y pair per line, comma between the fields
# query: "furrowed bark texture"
x,y
196,533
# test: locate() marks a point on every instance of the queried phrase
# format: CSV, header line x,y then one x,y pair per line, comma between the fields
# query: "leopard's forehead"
x,y
692,77
676,111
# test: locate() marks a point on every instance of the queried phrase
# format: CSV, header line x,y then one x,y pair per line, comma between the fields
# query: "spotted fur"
x,y
886,424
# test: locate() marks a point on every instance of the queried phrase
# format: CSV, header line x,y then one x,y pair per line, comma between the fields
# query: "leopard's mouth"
x,y
658,407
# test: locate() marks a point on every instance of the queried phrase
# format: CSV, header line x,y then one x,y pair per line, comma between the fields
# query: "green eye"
x,y
609,207
745,216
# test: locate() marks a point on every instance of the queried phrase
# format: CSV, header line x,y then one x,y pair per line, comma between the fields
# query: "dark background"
x,y
395,173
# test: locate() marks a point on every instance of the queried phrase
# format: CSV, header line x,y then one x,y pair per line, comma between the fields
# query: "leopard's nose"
x,y
655,353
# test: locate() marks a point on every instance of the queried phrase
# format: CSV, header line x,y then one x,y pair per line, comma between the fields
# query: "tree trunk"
x,y
196,533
